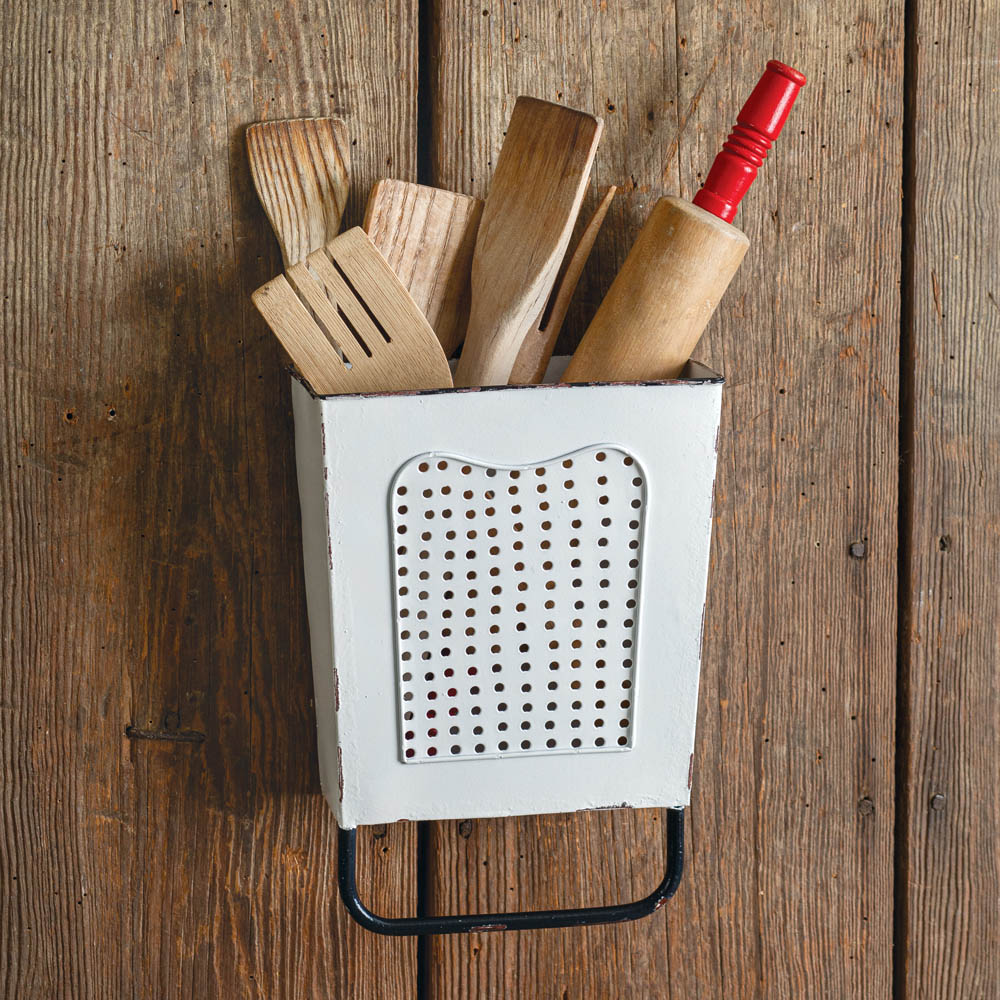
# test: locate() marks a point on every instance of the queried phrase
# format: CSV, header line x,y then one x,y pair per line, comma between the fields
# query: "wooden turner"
x,y
533,202
536,350
348,323
301,169
428,235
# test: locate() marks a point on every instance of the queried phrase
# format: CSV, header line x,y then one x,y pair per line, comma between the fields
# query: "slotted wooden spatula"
x,y
348,323
301,169
532,205
428,235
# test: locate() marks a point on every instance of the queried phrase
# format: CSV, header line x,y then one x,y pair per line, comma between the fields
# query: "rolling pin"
x,y
684,257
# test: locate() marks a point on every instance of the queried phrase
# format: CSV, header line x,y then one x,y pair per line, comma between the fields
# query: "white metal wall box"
x,y
505,591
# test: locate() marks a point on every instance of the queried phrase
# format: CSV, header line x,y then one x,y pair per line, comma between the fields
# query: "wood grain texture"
x,y
149,546
950,695
542,174
536,351
661,300
788,888
301,168
428,235
349,324
150,549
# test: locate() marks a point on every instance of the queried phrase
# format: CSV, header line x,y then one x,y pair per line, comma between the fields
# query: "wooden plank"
x,y
950,870
324,59
150,550
788,888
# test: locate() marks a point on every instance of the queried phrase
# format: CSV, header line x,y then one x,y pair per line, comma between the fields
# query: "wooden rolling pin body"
x,y
660,302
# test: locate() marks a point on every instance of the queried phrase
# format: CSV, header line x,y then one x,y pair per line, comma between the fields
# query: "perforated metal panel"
x,y
353,451
517,601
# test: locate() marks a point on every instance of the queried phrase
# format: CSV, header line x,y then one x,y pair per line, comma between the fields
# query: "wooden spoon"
x,y
533,202
301,168
428,235
350,325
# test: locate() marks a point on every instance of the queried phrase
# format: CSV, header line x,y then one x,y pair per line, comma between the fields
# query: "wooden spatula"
x,y
428,235
536,350
301,168
348,323
533,202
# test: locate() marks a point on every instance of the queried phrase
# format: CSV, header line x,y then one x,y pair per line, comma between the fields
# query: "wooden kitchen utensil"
x,y
301,168
536,350
685,256
662,298
348,323
428,235
533,202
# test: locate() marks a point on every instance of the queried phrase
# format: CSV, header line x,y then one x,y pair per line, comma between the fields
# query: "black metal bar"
x,y
523,921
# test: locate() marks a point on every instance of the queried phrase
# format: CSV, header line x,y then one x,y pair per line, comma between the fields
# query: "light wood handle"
x,y
657,307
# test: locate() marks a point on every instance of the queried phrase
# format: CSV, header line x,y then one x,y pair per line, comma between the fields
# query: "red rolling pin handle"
x,y
757,126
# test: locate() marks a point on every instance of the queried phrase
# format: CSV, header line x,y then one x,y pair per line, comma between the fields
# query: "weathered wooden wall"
x,y
161,828
151,574
949,835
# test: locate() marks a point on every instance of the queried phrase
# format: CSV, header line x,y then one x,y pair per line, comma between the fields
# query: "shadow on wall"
x,y
206,535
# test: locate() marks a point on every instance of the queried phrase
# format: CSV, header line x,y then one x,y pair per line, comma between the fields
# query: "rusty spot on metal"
x,y
488,927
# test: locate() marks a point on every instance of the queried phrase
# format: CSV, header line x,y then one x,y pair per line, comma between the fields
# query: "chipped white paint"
x,y
353,453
